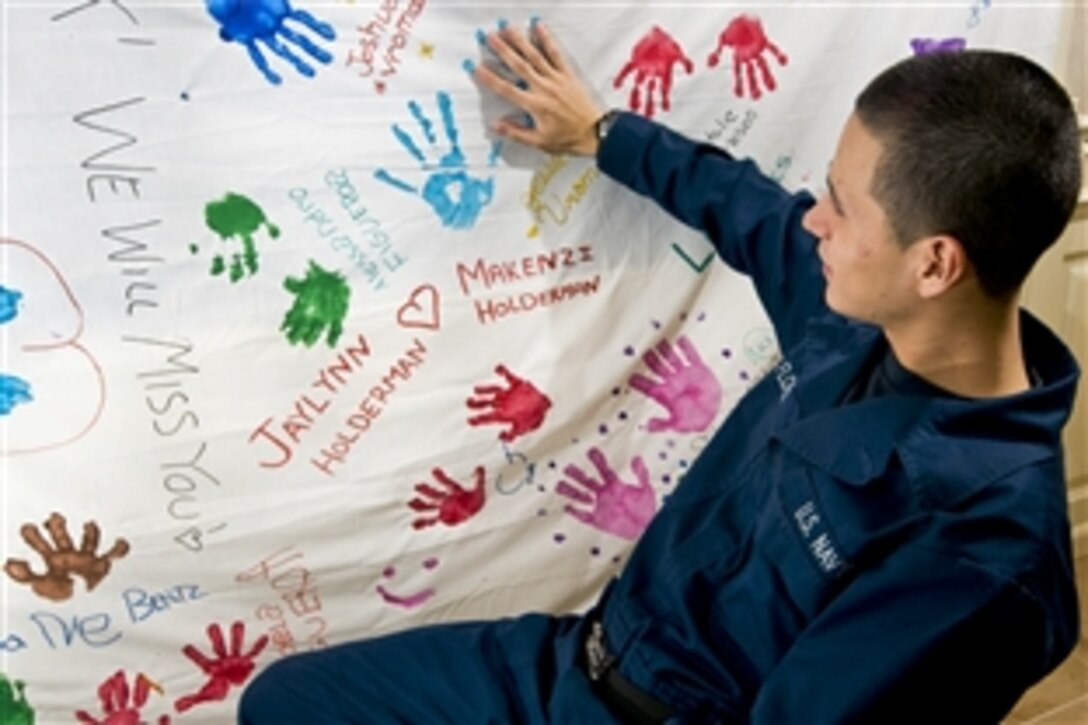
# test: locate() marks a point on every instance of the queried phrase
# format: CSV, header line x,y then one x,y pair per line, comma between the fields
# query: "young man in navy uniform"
x,y
885,538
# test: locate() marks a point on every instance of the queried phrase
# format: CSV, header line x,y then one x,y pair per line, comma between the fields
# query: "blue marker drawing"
x,y
13,391
9,304
455,197
513,456
250,22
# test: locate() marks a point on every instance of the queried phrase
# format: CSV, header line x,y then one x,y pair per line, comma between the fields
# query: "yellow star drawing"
x,y
426,50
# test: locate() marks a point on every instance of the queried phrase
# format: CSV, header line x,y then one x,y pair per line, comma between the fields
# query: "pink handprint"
x,y
113,694
688,390
520,405
614,506
454,505
652,60
229,668
745,36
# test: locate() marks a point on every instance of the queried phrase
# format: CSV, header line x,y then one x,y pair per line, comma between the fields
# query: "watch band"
x,y
604,124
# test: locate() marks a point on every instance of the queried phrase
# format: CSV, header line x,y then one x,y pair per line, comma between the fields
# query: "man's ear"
x,y
941,263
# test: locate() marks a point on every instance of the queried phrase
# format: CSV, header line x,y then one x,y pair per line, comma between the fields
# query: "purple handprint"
x,y
262,21
688,390
613,505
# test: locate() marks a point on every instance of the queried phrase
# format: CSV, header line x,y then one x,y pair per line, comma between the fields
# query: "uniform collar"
x,y
855,442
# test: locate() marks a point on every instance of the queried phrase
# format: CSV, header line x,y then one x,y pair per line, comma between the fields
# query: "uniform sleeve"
x,y
924,638
754,224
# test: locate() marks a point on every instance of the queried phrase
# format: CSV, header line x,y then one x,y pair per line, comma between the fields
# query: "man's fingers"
x,y
551,48
536,61
500,86
522,134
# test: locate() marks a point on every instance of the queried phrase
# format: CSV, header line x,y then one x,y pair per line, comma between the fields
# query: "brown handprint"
x,y
454,505
520,405
745,36
113,694
652,60
62,560
229,668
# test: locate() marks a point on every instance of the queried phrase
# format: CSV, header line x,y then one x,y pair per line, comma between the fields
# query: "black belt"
x,y
627,700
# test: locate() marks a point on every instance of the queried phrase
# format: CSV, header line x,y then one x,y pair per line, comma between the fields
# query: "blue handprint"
x,y
456,197
13,391
250,22
9,304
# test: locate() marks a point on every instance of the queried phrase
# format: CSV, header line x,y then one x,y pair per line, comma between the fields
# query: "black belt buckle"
x,y
598,659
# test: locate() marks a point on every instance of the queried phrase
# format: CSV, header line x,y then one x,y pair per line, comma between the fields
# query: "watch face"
x,y
604,123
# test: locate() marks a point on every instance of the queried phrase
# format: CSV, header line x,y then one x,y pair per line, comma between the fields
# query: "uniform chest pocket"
x,y
827,528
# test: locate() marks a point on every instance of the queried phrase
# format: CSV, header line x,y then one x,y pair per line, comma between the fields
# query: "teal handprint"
x,y
455,197
321,304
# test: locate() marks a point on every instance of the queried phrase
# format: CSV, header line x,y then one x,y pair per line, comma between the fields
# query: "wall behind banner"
x,y
296,352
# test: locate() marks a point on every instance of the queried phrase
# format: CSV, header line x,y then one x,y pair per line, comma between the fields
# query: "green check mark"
x,y
698,267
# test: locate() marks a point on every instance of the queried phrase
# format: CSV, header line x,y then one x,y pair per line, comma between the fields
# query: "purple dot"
x,y
683,316
542,512
615,560
622,415
726,352
656,324
628,351
701,317
615,391
430,563
663,455
743,374
389,572
541,489
602,429
185,95
596,551
682,463
670,443
551,464
666,478
559,538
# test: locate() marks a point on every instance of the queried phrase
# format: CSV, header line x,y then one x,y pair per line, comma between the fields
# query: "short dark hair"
x,y
981,145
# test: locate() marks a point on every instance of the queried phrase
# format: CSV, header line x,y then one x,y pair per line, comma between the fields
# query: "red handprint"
x,y
229,668
652,60
454,505
614,506
745,36
520,405
113,694
688,390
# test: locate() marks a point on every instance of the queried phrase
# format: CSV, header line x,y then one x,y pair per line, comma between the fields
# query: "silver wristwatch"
x,y
604,124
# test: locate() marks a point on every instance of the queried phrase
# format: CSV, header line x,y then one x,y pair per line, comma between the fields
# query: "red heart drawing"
x,y
421,309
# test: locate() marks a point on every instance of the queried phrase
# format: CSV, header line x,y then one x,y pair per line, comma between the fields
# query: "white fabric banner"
x,y
295,353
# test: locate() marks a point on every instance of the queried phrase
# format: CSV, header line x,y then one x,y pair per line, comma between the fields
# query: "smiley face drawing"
x,y
53,389
407,601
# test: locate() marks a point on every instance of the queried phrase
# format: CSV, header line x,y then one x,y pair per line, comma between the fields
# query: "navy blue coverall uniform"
x,y
830,557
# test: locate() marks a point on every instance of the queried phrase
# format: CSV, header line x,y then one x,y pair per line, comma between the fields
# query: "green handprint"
x,y
321,301
14,709
236,216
